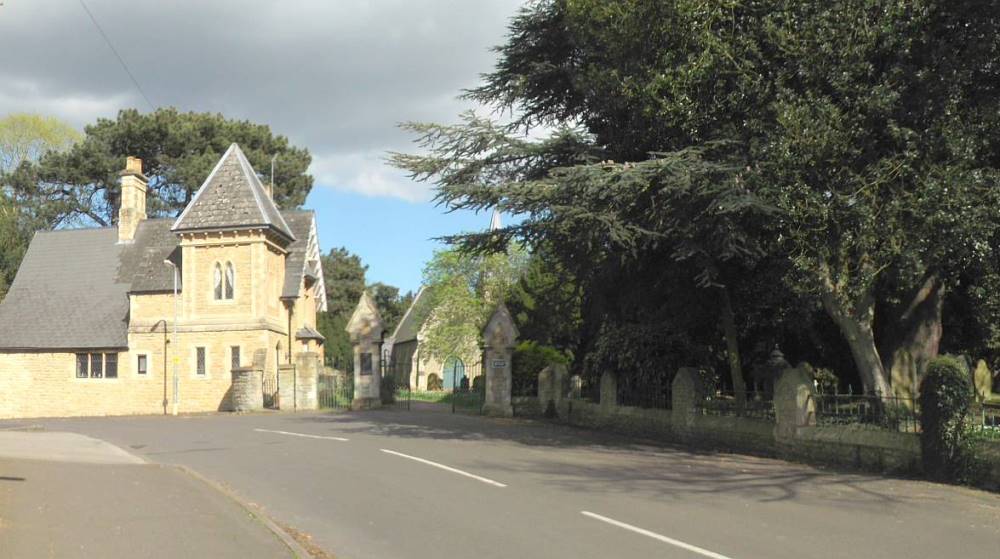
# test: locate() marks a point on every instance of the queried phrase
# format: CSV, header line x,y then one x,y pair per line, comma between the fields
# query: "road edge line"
x,y
651,534
296,548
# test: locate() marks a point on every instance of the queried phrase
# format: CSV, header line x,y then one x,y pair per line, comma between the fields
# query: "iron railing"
x,y
269,384
334,393
758,405
649,397
985,419
892,413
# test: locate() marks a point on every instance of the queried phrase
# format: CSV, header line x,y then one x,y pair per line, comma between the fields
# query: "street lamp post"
x,y
168,262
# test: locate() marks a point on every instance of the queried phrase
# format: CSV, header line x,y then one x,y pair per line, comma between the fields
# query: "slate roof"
x,y
307,333
142,261
67,293
411,323
295,263
232,197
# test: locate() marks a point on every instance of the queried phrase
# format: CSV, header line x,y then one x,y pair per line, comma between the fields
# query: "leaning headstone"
x,y
365,329
794,402
499,338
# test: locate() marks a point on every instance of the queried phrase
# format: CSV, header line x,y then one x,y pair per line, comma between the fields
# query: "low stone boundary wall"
x,y
792,435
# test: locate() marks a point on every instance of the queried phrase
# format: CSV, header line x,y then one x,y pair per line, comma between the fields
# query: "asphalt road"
x,y
394,484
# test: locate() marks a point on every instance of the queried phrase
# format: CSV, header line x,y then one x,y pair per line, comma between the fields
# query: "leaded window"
x,y
230,280
200,360
142,364
217,280
82,362
96,365
234,353
110,365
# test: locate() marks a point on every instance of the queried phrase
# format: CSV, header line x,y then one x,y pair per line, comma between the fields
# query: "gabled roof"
x,y
68,293
303,257
232,197
413,320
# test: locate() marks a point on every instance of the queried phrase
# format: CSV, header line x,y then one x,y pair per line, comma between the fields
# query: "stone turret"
x,y
132,209
365,329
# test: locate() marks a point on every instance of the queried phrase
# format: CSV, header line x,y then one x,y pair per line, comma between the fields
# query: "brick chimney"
x,y
133,200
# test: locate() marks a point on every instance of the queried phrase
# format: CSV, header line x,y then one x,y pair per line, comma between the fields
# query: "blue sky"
x,y
394,237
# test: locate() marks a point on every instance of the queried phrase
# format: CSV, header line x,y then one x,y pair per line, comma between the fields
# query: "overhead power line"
x,y
121,60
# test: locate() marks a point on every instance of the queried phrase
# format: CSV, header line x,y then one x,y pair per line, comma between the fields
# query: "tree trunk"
x,y
856,326
733,349
910,337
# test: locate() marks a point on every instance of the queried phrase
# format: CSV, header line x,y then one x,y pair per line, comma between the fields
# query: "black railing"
x,y
985,418
892,413
334,391
269,384
655,397
758,405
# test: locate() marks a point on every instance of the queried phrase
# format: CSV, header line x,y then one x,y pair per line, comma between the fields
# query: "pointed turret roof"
x,y
232,197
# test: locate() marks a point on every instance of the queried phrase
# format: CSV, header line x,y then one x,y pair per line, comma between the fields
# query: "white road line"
x,y
443,467
655,536
301,435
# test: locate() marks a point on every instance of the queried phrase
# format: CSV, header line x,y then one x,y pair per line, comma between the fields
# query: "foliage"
x,y
344,279
178,150
463,290
528,359
391,305
546,303
27,137
24,138
844,139
945,400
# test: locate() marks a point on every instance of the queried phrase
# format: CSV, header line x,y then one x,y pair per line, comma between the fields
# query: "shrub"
x,y
945,399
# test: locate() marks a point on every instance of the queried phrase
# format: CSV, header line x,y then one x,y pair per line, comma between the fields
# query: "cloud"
x,y
334,76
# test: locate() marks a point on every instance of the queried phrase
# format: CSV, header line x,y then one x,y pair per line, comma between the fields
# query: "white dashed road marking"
x,y
302,435
443,467
655,536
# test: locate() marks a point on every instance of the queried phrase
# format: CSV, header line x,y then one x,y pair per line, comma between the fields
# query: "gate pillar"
x,y
366,331
499,338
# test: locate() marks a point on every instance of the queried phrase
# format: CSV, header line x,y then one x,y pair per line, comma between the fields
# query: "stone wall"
x,y
793,435
307,367
247,394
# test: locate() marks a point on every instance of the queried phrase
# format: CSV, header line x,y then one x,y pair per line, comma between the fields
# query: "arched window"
x,y
217,281
230,280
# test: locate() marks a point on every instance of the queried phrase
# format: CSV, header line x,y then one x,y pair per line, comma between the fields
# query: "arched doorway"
x,y
452,373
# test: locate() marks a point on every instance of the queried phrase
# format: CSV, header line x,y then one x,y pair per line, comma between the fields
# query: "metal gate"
x,y
335,391
269,384
395,387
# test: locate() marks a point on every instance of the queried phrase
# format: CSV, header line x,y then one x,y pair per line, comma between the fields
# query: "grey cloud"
x,y
335,76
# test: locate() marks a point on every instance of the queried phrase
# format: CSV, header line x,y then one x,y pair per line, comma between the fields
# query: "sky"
x,y
334,76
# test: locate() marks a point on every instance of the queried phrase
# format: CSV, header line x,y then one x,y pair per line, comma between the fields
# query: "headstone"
x,y
982,380
794,402
365,329
686,390
552,385
575,387
499,338
609,390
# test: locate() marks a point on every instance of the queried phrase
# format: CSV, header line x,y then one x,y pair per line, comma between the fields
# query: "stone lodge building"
x,y
87,327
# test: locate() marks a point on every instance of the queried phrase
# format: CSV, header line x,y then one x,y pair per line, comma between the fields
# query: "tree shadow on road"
x,y
601,462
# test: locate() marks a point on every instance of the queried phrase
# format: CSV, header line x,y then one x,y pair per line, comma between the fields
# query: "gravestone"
x,y
552,385
609,390
499,338
794,402
365,329
575,387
